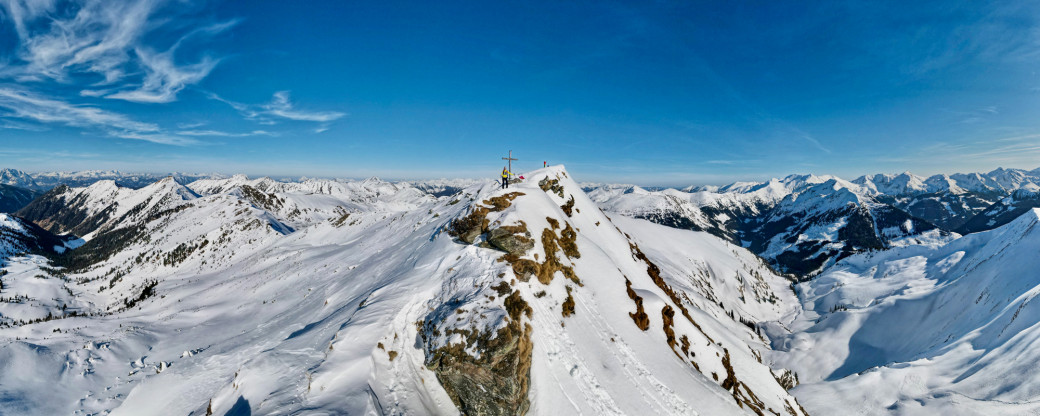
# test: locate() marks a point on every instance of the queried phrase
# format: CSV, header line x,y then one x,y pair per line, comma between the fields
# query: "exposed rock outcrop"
x,y
495,382
515,240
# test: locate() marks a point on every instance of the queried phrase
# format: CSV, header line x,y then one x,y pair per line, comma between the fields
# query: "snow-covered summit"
x,y
821,197
14,177
887,184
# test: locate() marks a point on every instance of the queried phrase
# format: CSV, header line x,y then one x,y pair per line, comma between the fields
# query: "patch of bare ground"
x,y
640,317
568,304
552,243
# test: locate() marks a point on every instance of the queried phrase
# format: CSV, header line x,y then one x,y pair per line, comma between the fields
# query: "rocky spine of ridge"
x,y
480,346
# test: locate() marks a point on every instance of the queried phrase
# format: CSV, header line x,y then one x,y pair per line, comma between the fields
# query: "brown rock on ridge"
x,y
496,383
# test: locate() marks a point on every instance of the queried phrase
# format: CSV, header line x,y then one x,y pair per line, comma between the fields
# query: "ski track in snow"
x,y
562,353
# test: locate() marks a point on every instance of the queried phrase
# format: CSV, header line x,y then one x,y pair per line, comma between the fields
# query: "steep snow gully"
x,y
239,296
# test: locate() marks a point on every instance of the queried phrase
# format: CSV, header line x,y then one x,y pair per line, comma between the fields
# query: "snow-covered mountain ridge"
x,y
222,298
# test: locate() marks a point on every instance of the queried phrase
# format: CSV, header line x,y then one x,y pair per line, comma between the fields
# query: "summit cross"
x,y
510,159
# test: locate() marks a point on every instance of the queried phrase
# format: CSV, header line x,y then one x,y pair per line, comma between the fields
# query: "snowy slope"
x,y
213,303
27,291
922,330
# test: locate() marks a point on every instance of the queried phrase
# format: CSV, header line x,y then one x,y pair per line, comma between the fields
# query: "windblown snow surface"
x,y
923,330
247,297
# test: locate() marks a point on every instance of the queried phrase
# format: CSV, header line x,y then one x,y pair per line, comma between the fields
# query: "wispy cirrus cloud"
x,y
1022,150
281,107
164,79
218,133
15,125
160,138
60,40
973,116
105,48
140,51
812,140
25,105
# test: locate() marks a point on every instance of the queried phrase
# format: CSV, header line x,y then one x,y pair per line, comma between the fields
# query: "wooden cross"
x,y
510,159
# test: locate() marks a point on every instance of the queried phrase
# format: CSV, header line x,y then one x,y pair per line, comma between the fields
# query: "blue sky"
x,y
655,93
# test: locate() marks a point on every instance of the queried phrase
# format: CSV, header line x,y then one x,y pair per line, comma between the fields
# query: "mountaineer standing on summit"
x,y
505,177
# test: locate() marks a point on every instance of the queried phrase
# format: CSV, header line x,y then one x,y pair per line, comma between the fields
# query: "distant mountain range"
x,y
18,188
803,223
43,181
799,223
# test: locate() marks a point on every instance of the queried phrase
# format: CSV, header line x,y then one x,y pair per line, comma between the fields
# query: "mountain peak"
x,y
581,266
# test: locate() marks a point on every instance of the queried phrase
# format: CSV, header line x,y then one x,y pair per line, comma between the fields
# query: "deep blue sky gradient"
x,y
655,93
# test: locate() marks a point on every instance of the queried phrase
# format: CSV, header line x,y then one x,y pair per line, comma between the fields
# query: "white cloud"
x,y
96,37
163,79
105,49
218,133
281,106
243,108
94,93
26,105
161,138
101,47
14,125
813,141
188,126
106,39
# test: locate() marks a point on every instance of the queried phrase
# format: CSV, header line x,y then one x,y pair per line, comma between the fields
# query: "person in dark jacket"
x,y
505,177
